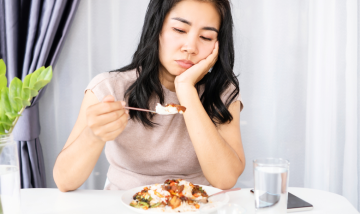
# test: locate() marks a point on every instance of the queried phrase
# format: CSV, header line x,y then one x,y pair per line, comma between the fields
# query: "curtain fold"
x,y
30,31
332,138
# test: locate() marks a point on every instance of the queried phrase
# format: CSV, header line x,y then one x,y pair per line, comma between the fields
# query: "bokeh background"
x,y
297,64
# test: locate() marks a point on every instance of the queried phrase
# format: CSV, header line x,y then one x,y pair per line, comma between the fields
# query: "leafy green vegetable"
x,y
143,204
14,99
156,205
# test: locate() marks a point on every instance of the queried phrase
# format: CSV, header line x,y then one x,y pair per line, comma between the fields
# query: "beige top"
x,y
143,156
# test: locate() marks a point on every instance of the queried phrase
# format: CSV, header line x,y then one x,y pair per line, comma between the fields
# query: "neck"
x,y
166,79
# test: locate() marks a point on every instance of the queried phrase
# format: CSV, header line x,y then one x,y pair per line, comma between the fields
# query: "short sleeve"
x,y
111,83
228,92
101,85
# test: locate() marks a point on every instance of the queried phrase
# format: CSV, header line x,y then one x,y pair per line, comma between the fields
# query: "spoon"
x,y
205,200
228,190
140,109
147,110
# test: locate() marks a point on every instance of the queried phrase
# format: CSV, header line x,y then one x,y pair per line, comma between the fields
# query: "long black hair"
x,y
146,62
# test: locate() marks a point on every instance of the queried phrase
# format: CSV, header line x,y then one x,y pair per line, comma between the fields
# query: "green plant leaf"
x,y
40,84
12,115
25,94
46,74
25,103
39,70
2,111
15,87
26,83
21,102
6,127
30,91
15,92
33,80
3,81
33,93
2,129
34,76
5,103
6,123
2,67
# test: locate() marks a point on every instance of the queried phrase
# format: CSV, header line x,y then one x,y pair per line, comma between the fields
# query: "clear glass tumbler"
x,y
9,176
271,177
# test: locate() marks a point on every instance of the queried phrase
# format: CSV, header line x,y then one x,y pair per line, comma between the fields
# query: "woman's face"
x,y
188,35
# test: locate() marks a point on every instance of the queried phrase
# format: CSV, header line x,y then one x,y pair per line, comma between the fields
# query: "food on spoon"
x,y
174,195
170,109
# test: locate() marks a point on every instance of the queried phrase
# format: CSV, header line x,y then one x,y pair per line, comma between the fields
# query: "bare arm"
x,y
97,123
219,149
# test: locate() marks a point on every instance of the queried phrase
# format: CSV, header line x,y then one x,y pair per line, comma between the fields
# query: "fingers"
x,y
118,124
104,119
111,135
108,98
105,107
111,130
214,55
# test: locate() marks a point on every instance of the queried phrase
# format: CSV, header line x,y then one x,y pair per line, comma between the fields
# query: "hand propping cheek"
x,y
198,71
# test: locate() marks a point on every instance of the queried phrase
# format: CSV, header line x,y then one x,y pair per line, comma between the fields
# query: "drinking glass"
x,y
9,176
271,176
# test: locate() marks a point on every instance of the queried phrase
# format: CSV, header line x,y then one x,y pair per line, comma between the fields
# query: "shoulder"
x,y
114,83
114,76
230,92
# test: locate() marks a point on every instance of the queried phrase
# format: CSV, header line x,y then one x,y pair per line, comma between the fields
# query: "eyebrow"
x,y
189,23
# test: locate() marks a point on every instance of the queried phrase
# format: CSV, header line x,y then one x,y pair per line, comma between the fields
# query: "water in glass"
x,y
9,176
271,188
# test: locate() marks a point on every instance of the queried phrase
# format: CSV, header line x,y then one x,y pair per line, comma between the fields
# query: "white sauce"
x,y
165,110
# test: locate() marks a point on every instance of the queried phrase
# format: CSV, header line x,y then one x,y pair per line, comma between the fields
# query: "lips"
x,y
184,63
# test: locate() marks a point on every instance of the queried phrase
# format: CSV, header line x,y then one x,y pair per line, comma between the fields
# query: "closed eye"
x,y
205,38
178,30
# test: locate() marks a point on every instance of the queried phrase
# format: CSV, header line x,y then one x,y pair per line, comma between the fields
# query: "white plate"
x,y
232,209
215,202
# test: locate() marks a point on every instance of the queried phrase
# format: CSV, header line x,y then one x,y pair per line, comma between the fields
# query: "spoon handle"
x,y
139,109
228,190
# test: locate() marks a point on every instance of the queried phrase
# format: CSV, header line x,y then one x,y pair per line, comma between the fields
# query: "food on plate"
x,y
170,109
178,195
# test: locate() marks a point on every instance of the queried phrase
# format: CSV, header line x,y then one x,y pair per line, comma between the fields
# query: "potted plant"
x,y
13,101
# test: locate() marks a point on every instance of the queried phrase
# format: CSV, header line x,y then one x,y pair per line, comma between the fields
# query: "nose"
x,y
190,46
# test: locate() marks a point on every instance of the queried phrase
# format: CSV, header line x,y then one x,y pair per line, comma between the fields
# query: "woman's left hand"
x,y
194,74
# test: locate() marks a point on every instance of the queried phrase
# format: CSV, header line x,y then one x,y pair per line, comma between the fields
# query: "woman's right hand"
x,y
107,119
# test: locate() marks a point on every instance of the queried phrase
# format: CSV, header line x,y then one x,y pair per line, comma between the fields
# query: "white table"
x,y
38,201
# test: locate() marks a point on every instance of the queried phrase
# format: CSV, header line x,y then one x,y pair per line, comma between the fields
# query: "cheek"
x,y
170,43
169,49
205,50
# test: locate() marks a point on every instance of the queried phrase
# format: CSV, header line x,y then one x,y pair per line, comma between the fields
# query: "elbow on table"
x,y
61,185
230,181
225,184
64,188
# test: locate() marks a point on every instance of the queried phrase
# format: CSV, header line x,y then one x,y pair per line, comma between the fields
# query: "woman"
x,y
180,42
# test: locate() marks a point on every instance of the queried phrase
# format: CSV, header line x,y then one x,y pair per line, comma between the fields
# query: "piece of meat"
x,y
184,198
175,202
180,189
167,188
178,107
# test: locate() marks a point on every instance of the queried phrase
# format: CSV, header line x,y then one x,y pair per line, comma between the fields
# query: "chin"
x,y
177,71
